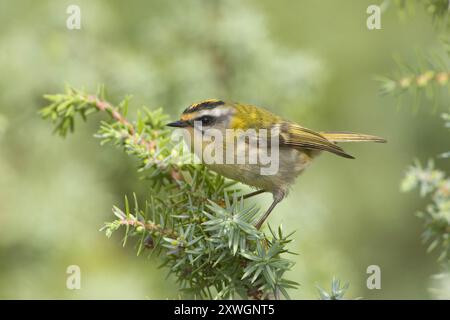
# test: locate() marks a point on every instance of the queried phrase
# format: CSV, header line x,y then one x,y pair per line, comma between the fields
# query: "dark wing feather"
x,y
293,135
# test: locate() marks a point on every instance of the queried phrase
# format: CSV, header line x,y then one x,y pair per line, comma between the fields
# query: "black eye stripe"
x,y
206,120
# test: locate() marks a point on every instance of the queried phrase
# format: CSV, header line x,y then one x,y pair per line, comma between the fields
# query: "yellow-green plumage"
x,y
297,145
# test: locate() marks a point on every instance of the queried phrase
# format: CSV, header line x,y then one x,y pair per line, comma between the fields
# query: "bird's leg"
x,y
266,215
255,193
277,197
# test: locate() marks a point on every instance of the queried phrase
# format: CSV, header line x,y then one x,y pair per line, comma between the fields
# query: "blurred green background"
x,y
310,61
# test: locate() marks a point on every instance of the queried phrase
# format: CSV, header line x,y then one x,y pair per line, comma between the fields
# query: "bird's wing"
x,y
296,136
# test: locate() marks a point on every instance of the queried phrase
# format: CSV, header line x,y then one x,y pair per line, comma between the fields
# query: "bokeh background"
x,y
311,61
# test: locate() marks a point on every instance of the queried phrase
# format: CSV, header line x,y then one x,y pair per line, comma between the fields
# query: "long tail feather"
x,y
350,137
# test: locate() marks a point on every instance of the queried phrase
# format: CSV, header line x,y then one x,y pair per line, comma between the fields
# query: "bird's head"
x,y
209,114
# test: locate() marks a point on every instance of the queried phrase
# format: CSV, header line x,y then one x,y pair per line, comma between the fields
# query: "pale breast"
x,y
271,171
291,163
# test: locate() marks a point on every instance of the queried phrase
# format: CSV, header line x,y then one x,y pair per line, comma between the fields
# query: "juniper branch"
x,y
419,80
193,215
428,78
138,141
336,293
436,217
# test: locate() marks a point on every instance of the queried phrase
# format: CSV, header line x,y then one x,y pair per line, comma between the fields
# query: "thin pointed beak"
x,y
178,124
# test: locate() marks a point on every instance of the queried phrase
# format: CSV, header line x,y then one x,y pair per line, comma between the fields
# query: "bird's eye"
x,y
206,120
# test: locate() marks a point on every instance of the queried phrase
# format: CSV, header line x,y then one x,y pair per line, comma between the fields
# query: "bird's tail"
x,y
350,137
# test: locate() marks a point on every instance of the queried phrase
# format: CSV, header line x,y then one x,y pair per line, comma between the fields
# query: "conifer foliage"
x,y
195,220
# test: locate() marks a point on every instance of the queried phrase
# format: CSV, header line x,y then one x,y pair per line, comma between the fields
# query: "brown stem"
x,y
114,112
150,226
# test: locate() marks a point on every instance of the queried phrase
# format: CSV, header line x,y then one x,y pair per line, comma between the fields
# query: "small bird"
x,y
297,145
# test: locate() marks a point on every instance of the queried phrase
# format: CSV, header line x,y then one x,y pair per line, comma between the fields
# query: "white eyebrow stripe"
x,y
216,113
